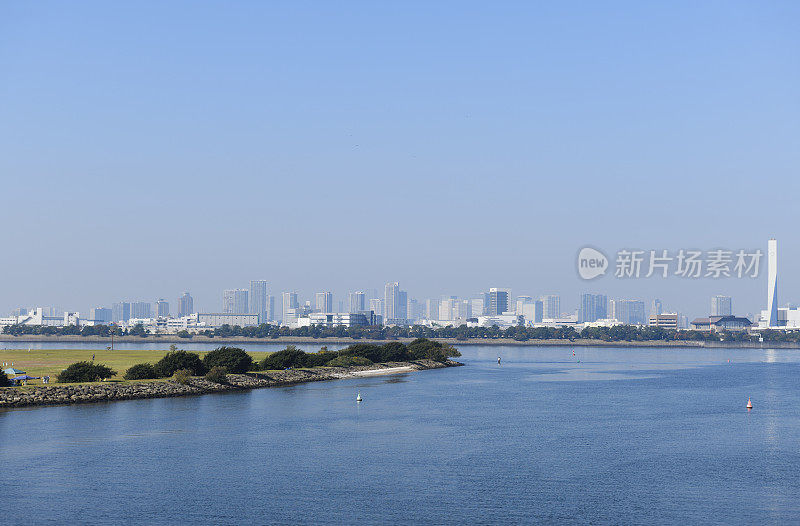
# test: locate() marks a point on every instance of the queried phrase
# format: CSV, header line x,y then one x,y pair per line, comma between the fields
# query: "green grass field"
x,y
50,362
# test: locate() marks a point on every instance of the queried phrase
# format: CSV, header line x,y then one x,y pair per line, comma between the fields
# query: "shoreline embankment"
x,y
55,394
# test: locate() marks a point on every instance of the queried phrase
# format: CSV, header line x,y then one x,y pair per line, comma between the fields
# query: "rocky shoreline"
x,y
11,397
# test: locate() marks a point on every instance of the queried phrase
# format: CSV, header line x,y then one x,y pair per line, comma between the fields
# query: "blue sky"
x,y
150,148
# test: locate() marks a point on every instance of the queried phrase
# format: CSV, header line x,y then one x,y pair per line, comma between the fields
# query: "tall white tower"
x,y
772,282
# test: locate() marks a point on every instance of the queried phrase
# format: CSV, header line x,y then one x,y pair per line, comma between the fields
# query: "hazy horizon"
x,y
150,149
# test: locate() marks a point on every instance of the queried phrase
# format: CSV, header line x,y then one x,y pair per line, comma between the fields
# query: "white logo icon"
x,y
591,263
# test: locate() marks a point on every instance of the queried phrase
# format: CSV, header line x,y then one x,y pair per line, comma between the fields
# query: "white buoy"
x,y
749,404
358,398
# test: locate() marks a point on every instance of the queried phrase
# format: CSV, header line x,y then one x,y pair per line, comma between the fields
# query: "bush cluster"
x,y
141,371
85,372
182,376
4,381
233,359
218,375
177,360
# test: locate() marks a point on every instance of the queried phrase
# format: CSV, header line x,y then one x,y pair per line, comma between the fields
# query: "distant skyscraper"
x,y
289,306
357,302
656,308
185,305
521,300
324,302
140,309
446,309
432,309
499,300
270,309
552,306
162,307
395,304
629,312
121,312
376,306
772,283
235,301
592,307
100,315
721,306
533,311
258,299
478,307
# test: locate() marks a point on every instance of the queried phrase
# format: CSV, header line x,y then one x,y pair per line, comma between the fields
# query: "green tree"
x,y
233,359
85,372
176,360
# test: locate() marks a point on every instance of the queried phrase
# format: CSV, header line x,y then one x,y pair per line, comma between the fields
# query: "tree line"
x,y
462,332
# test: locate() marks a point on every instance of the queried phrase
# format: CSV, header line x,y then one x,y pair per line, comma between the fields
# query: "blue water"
x,y
609,436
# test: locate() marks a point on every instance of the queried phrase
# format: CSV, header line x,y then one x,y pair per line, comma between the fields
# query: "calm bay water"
x,y
642,436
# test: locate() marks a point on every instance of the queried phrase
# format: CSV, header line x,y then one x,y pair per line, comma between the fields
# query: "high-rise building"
x,y
656,308
432,309
628,312
121,312
552,306
772,283
270,309
592,307
499,301
376,306
446,309
162,307
478,306
100,315
140,309
521,300
258,299
289,306
324,302
395,305
357,302
533,311
185,305
234,301
721,306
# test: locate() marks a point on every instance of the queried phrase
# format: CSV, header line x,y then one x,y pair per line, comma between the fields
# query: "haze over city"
x,y
150,148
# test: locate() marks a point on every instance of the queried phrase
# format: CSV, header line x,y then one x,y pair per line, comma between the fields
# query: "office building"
x,y
499,301
259,300
235,301
552,306
121,312
356,301
218,319
289,307
533,311
99,316
666,320
141,309
656,308
324,302
341,319
721,306
478,306
432,309
628,312
376,306
185,305
592,307
395,305
162,308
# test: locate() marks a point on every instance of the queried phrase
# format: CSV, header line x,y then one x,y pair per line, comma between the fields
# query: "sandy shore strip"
x,y
381,372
